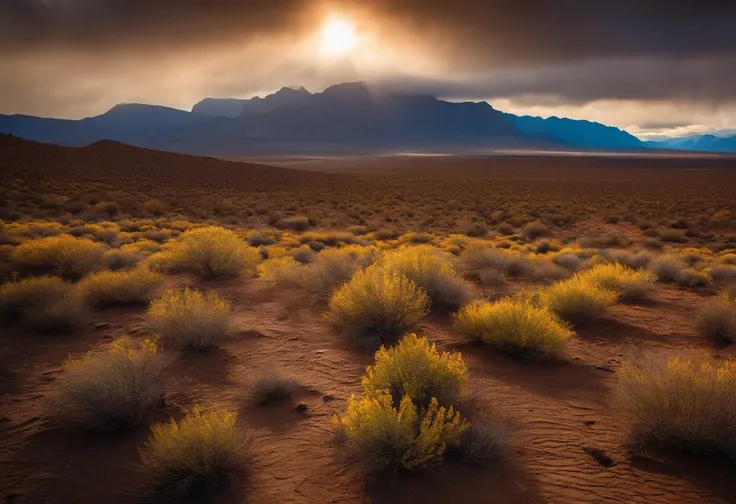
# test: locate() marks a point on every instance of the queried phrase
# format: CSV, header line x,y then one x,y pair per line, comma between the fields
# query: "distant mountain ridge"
x,y
704,143
349,117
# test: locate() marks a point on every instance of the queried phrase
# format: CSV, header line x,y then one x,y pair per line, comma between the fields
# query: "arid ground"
x,y
566,441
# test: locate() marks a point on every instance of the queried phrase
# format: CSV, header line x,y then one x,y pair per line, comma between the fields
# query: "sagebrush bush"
x,y
117,259
478,258
332,268
690,277
190,319
282,269
725,273
211,252
716,320
44,304
679,401
63,255
479,444
113,389
577,300
427,267
667,268
108,288
416,369
627,283
377,304
381,436
515,327
200,450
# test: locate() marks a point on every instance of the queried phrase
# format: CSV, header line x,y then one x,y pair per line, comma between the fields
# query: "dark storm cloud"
x,y
548,52
474,30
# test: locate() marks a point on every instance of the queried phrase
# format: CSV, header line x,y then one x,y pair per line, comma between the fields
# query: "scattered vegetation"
x,y
190,319
271,387
45,304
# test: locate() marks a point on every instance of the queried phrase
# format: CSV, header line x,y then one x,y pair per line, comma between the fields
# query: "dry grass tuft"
x,y
271,387
716,320
111,390
515,327
190,319
679,401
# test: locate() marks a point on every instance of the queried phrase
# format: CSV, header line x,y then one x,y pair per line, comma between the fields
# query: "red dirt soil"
x,y
558,414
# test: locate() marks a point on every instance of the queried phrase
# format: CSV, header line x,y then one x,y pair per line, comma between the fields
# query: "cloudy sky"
x,y
654,67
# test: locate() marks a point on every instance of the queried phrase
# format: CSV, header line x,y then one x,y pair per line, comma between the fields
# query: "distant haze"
x,y
653,67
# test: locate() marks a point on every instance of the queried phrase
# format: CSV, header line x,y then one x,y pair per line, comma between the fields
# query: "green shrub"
x,y
425,266
416,369
716,320
108,288
200,450
190,319
627,283
514,327
382,437
679,401
63,255
211,252
377,304
111,390
576,300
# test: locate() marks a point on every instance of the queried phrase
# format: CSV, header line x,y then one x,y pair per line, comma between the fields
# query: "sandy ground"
x,y
556,413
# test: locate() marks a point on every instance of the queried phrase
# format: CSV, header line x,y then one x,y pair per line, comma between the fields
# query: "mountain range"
x,y
345,118
705,143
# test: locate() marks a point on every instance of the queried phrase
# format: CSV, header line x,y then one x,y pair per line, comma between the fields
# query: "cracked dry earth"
x,y
566,443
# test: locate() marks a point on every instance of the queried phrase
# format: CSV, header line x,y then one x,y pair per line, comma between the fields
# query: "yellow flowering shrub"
x,y
381,436
107,288
626,282
201,448
63,255
416,369
190,319
514,326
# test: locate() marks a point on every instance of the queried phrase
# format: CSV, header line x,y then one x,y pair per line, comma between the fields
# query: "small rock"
x,y
600,456
302,407
101,326
328,397
294,338
590,422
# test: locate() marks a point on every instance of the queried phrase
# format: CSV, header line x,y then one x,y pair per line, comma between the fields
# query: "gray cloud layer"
x,y
58,55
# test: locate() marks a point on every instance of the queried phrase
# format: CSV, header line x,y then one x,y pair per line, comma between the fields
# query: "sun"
x,y
338,36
